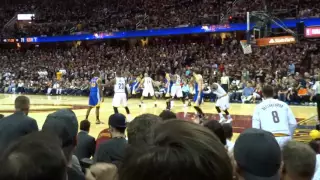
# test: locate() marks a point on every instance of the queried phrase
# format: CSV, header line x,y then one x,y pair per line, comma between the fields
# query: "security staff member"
x,y
316,94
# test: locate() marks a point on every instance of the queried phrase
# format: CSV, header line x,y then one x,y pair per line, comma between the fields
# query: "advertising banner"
x,y
276,40
312,32
270,41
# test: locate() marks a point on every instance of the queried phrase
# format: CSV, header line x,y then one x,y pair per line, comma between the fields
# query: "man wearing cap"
x,y
64,124
257,155
18,124
112,151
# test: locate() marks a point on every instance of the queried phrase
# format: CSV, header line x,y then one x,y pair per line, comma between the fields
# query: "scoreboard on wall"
x,y
19,40
10,40
312,32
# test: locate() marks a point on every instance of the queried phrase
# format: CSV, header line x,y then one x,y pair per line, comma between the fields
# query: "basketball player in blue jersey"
x,y
136,83
95,97
198,87
168,85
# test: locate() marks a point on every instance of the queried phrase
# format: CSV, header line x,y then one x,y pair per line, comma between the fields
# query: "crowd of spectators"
x,y
291,69
71,16
154,148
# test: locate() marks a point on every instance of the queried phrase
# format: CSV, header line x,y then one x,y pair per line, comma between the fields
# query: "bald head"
x,y
22,103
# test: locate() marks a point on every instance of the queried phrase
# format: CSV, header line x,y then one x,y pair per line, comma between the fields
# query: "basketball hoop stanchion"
x,y
248,28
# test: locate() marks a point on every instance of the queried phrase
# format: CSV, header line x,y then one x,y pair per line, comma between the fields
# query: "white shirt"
x,y
316,87
274,116
56,86
147,82
120,85
224,80
316,175
230,145
178,80
219,91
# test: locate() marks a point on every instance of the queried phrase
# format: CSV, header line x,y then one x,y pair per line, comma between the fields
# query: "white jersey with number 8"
x,y
274,116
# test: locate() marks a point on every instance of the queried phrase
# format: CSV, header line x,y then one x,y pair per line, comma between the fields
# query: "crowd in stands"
x,y
291,69
71,16
155,147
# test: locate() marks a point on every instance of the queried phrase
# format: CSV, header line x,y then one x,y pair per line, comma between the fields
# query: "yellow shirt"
x,y
59,75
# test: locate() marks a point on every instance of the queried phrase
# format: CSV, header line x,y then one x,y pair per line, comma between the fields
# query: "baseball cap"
x,y
117,121
258,154
64,124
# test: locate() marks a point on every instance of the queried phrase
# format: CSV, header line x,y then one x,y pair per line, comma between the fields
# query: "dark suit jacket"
x,y
14,126
86,145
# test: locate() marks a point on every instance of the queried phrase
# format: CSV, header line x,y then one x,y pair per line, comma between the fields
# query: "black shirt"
x,y
74,175
111,151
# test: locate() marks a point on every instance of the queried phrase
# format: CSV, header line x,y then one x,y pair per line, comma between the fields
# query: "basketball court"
x,y
42,105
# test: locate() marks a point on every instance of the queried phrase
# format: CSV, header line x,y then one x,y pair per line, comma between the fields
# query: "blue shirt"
x,y
94,84
292,68
185,88
248,91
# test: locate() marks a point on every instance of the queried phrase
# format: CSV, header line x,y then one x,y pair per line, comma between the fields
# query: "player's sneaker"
x,y
185,105
129,118
229,121
99,122
222,120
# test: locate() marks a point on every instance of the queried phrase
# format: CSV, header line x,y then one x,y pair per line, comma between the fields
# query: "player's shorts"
x,y
198,99
119,99
283,140
168,89
147,91
176,91
94,99
223,103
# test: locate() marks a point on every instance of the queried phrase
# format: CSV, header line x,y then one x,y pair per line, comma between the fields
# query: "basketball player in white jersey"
x,y
120,96
222,102
176,89
274,116
147,84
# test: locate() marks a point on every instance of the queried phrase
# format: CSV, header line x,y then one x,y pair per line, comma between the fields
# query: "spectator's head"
x,y
178,150
267,91
167,115
1,116
64,124
138,130
228,131
117,124
299,161
34,156
216,128
85,125
315,145
257,155
22,104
